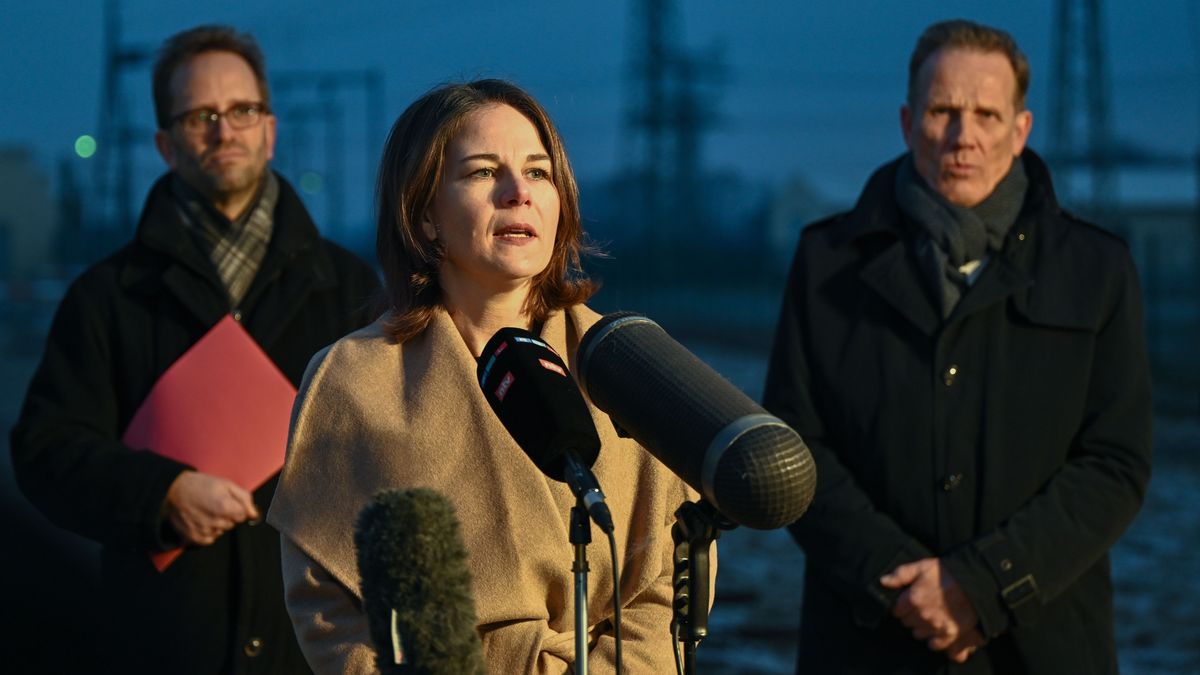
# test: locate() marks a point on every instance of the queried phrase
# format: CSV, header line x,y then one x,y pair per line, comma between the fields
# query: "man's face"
x,y
964,129
221,162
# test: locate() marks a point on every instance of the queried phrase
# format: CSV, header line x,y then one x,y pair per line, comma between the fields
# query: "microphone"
x,y
528,386
415,585
749,464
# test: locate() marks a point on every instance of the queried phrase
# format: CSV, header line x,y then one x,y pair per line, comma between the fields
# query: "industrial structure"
x,y
672,108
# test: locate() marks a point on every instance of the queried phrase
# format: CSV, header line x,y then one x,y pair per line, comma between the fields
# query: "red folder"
x,y
223,408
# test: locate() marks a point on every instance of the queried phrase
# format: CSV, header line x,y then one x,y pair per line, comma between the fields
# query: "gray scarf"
x,y
953,236
236,248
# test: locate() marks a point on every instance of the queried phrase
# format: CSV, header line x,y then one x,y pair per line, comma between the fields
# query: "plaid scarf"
x,y
237,247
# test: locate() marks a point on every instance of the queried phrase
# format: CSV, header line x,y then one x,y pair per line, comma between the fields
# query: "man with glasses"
x,y
220,236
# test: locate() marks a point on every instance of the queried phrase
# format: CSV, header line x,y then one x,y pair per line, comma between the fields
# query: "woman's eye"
x,y
539,174
485,172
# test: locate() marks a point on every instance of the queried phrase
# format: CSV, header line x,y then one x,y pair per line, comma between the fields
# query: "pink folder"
x,y
223,408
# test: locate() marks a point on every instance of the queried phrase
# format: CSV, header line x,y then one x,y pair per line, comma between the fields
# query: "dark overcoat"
x,y
1011,439
218,608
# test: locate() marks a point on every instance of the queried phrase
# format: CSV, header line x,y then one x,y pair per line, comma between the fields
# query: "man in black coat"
x,y
220,235
967,363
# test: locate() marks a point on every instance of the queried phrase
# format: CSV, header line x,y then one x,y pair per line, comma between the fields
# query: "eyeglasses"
x,y
199,121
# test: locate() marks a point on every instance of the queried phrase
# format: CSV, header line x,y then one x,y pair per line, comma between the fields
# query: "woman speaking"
x,y
479,229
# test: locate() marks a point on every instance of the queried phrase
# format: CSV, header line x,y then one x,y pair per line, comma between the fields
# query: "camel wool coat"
x,y
374,415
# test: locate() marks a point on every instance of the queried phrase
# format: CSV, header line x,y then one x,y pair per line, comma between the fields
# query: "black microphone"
x,y
415,585
752,467
528,386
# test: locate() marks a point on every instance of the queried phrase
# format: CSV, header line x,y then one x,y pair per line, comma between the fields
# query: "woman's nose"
x,y
517,192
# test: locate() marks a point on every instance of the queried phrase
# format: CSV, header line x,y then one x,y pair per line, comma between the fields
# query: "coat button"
x,y
237,315
950,374
952,481
253,647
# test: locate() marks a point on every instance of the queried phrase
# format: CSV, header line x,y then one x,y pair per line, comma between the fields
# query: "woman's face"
x,y
496,207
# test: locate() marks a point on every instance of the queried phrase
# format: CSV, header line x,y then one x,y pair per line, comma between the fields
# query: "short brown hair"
x,y
409,173
181,48
963,34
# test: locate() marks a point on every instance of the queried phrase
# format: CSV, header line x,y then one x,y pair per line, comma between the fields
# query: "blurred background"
x,y
704,135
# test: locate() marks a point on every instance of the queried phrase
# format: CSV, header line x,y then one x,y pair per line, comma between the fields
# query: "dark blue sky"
x,y
811,88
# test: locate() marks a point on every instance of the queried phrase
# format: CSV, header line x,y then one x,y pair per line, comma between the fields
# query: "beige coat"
x,y
373,415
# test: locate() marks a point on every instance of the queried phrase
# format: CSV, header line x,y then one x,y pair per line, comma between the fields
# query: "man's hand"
x,y
934,607
202,507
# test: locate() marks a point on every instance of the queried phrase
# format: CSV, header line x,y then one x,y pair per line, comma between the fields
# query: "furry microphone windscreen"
x,y
416,588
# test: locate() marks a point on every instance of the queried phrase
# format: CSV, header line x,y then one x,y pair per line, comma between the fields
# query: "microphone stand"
x,y
581,536
697,526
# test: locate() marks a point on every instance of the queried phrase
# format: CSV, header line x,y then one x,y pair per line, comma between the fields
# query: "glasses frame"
x,y
213,117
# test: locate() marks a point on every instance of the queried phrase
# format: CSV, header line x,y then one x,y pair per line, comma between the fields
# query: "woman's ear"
x,y
428,227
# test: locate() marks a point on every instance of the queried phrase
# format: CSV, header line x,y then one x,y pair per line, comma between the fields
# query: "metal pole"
x,y
581,536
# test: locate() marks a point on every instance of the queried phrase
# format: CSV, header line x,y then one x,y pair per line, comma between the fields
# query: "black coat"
x,y
1011,439
120,325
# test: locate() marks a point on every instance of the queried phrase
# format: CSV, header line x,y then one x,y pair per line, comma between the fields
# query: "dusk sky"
x,y
809,89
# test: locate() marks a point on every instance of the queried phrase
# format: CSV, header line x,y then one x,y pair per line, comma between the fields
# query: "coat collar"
x,y
366,394
880,231
876,211
167,256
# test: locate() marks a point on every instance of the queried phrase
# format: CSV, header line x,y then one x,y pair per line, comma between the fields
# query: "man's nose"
x,y
222,130
964,131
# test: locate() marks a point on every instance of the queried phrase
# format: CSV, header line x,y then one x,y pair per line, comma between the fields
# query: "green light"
x,y
85,146
311,182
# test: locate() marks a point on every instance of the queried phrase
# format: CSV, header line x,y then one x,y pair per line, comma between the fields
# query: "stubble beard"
x,y
239,181
223,185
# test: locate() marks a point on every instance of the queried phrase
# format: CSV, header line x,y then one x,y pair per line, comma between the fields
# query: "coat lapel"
x,y
893,276
279,296
195,294
1012,270
179,266
293,268
995,285
889,271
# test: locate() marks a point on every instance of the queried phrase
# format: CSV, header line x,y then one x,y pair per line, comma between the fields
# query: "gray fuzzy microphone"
x,y
416,588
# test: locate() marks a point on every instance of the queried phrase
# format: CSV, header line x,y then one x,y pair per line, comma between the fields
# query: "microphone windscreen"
x,y
528,386
751,466
416,587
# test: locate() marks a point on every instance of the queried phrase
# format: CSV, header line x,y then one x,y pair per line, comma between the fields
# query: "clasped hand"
x,y
202,507
934,607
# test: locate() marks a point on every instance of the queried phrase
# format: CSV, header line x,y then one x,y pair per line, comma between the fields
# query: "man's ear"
x,y
162,141
1024,125
270,136
906,125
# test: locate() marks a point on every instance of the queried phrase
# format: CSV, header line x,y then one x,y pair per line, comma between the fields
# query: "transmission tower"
x,y
649,117
118,136
1080,116
668,116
